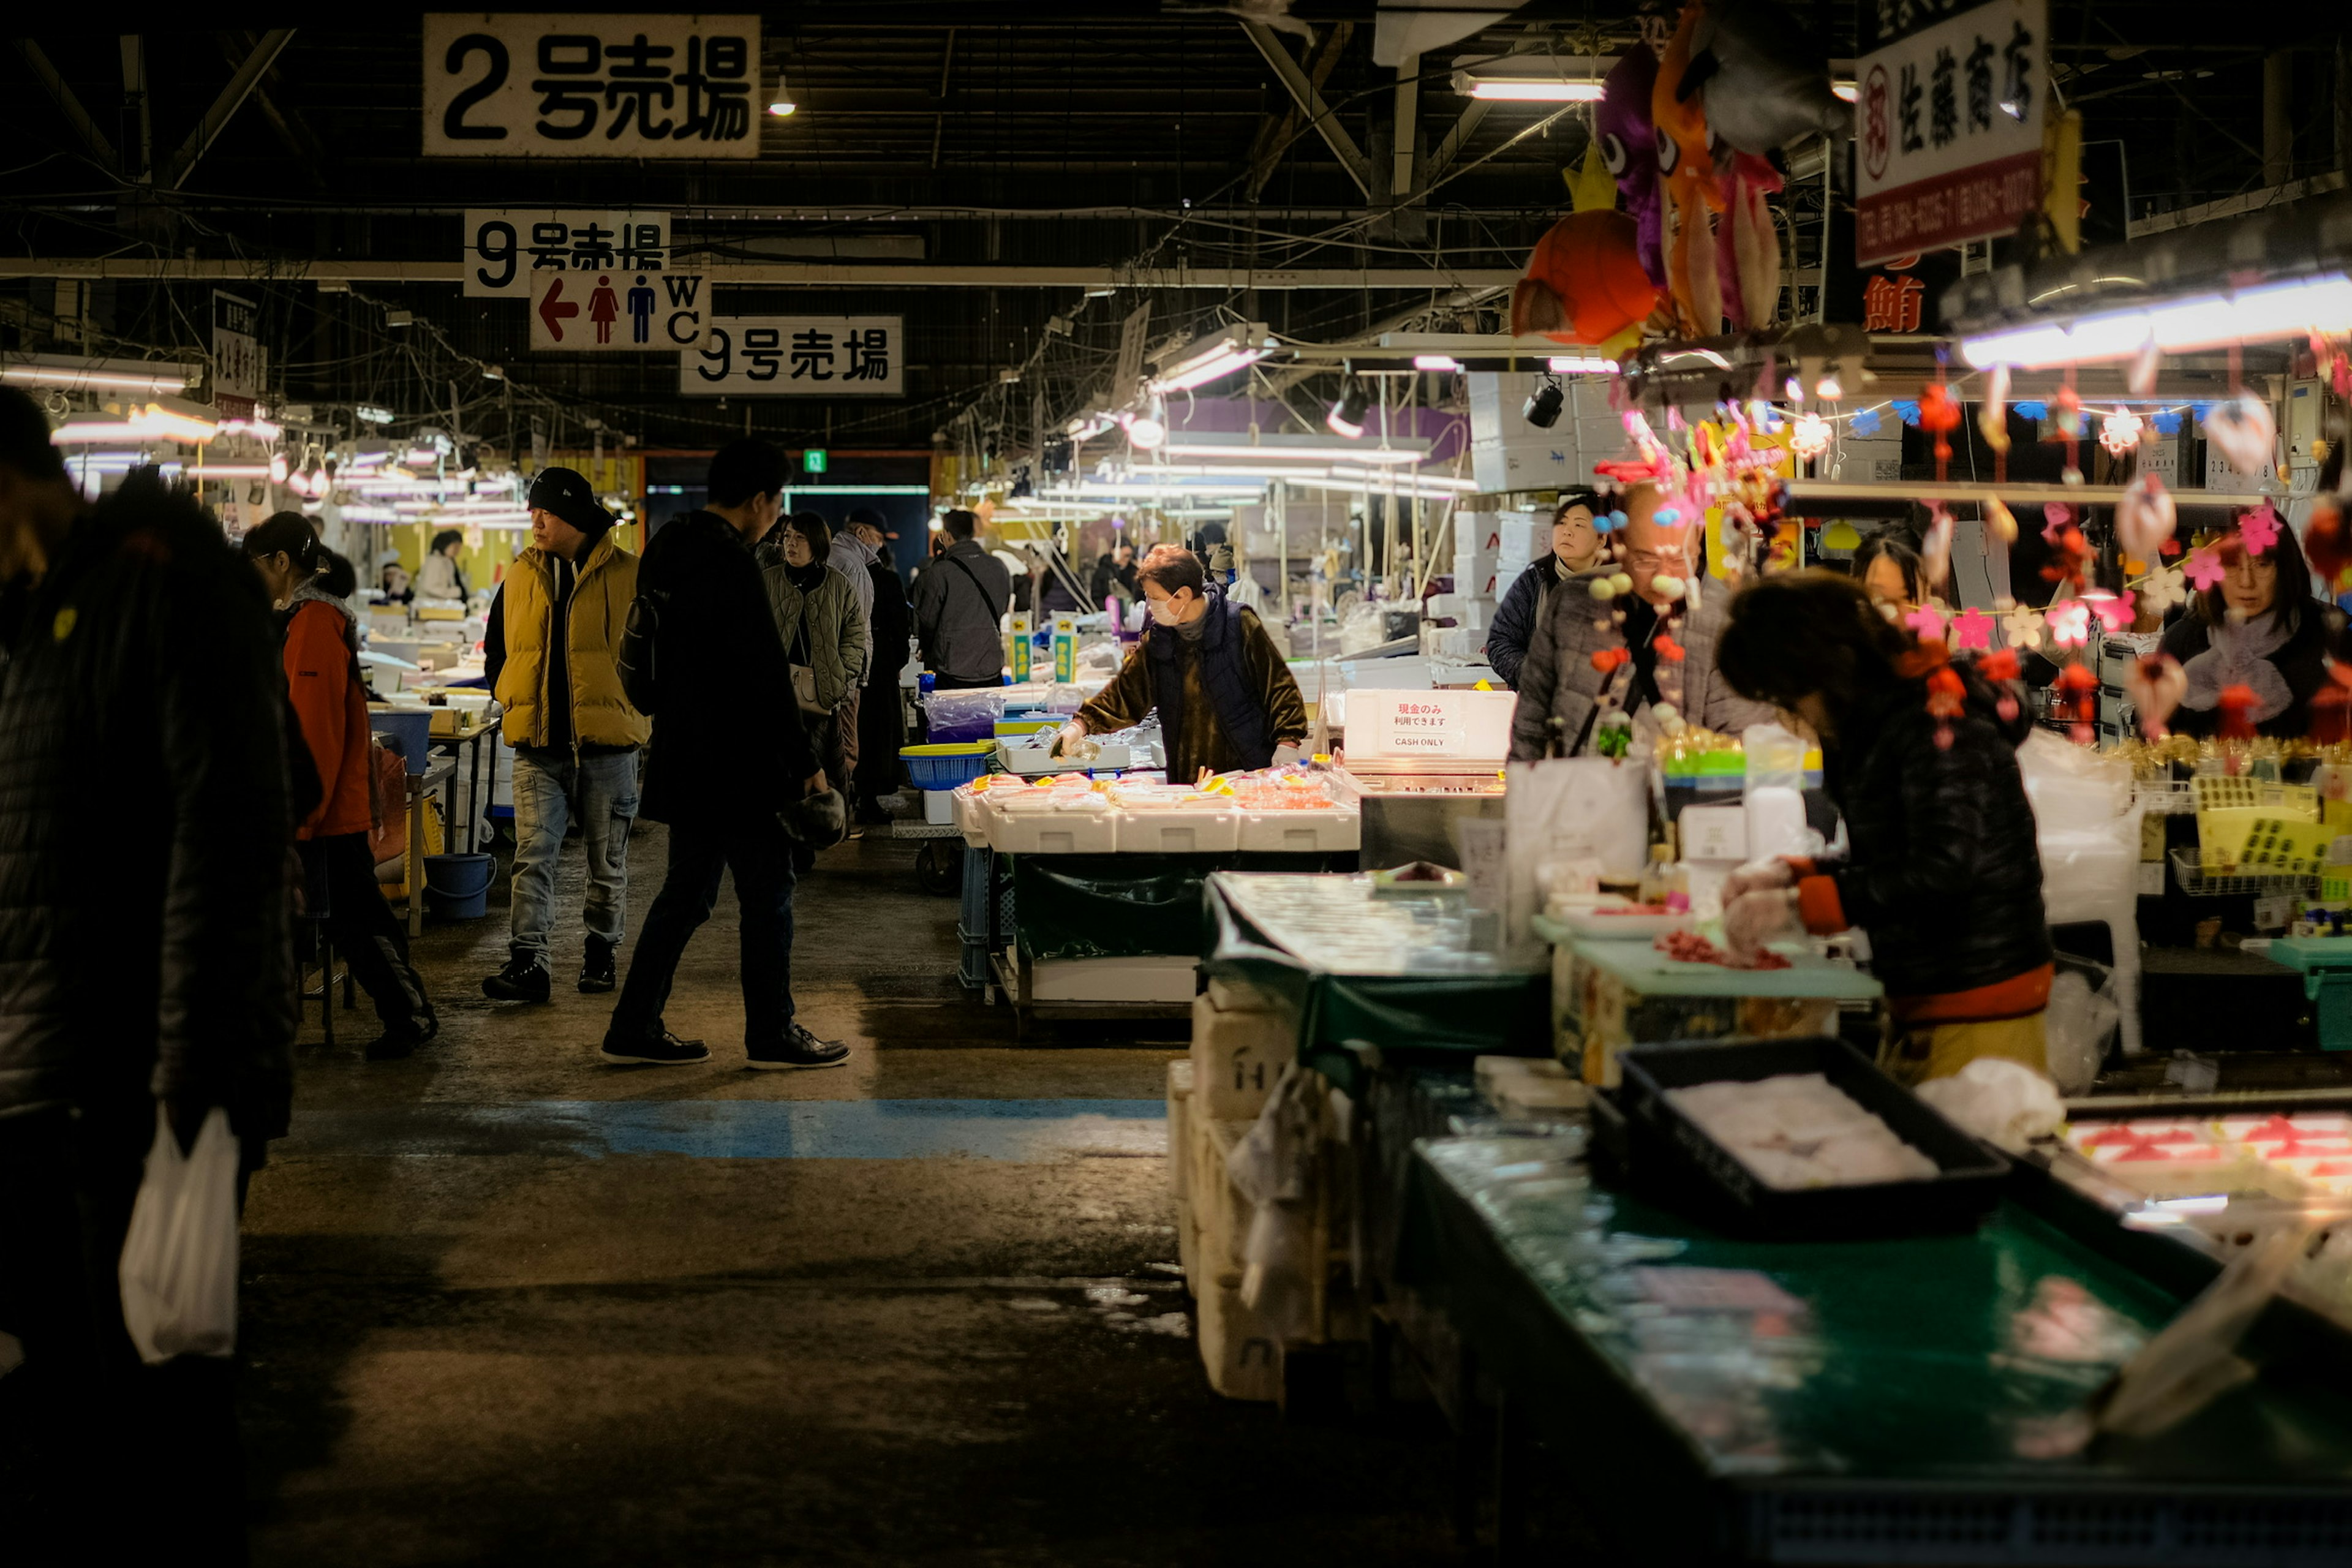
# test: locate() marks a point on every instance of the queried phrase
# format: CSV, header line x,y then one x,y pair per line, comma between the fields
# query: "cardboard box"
x,y
1236,1058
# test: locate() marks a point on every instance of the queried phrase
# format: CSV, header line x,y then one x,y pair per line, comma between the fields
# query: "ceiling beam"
x,y
1276,132
1309,100
1465,125
232,98
93,139
1401,187
785,274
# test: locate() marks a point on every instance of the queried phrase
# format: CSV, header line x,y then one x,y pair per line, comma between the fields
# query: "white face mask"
x,y
1164,611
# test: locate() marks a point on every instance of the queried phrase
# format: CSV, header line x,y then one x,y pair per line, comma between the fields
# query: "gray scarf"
x,y
2241,656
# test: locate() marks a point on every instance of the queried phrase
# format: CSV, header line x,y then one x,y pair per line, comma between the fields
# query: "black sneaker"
x,y
524,979
663,1049
596,971
800,1049
399,1040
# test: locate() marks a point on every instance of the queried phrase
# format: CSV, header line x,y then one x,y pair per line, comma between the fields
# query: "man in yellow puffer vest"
x,y
550,652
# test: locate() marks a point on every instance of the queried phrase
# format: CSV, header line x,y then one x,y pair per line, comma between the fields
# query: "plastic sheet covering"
x,y
1369,977
1127,906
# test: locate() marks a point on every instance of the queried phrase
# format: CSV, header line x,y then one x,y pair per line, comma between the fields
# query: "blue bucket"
x,y
409,732
458,887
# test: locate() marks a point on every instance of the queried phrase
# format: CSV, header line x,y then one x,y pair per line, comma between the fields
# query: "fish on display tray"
x,y
1798,1131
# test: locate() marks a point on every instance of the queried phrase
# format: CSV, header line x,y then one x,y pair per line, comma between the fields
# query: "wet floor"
x,y
506,1304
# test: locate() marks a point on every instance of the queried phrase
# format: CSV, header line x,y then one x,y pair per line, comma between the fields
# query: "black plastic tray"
x,y
1732,1195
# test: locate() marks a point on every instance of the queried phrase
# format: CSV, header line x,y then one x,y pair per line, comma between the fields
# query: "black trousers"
x,y
760,855
363,927
881,730
102,1458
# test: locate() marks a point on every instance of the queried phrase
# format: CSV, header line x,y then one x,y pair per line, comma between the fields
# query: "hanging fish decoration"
x,y
1628,141
1747,243
1764,76
1685,163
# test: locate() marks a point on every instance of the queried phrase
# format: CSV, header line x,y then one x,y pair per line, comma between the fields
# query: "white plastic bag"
x,y
1274,1166
1998,1100
2077,1025
179,1259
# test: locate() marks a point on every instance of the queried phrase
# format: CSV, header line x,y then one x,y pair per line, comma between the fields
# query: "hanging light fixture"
x,y
1543,405
1347,416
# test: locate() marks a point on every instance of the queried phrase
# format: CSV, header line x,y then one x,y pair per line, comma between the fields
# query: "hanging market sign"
x,y
591,87
1948,122
605,311
236,354
797,356
505,248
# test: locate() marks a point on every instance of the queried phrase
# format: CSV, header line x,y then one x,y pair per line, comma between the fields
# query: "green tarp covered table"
x,y
1125,905
1918,1400
1400,974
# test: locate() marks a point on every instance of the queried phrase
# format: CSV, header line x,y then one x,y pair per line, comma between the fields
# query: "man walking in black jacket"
x,y
144,843
729,753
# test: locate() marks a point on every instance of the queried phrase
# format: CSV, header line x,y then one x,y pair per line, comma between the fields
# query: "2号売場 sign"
x,y
587,86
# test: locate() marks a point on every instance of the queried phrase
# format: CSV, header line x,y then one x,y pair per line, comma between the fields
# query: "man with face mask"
x,y
1559,678
1226,698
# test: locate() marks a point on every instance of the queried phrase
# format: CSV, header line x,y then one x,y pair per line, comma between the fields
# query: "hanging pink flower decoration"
x,y
1972,629
1928,621
2113,610
2119,432
2203,568
2260,529
2070,624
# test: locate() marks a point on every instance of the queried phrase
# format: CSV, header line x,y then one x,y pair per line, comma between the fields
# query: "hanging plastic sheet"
x,y
1127,906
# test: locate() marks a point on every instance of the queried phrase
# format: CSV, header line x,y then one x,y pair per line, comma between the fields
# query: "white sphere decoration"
x,y
1666,587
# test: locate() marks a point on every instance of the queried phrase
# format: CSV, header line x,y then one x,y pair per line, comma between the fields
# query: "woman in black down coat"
x,y
1920,755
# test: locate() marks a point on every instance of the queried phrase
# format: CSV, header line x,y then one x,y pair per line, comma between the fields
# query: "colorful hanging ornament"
x,y
2070,624
1748,242
2326,540
2139,378
2237,705
2113,610
1940,414
1927,623
2162,590
2002,668
1584,283
2070,557
2156,683
2119,432
1936,550
2002,521
2068,407
2260,528
1972,628
1629,147
2242,427
2146,517
1809,436
1992,410
2022,627
2204,568
2078,689
1685,164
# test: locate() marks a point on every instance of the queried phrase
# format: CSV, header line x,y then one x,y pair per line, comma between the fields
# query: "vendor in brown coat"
x,y
1226,699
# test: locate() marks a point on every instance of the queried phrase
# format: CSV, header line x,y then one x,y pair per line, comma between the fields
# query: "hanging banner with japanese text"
x,y
237,369
557,86
505,246
797,356
1948,122
606,312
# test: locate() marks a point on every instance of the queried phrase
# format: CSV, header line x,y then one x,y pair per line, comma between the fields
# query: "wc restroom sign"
x,y
618,311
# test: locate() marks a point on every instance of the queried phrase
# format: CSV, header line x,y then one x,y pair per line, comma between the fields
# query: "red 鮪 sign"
x,y
1948,123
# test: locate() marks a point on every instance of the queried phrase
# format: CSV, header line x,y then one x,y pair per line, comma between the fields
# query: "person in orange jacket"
x,y
308,583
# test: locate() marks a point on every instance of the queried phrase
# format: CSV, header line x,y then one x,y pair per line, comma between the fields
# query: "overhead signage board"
x,y
557,86
619,312
236,349
1948,122
797,356
505,246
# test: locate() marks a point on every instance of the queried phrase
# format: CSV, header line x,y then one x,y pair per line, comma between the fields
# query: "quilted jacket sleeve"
x,y
1514,628
1539,679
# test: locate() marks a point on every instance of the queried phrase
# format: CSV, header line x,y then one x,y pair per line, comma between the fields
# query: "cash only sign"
x,y
1951,97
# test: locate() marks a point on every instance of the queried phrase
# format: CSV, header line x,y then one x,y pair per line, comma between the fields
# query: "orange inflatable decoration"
x,y
1584,283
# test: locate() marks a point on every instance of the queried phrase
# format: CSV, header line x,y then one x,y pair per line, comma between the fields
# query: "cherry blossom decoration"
x,y
2162,590
1972,629
2022,627
2204,568
2119,432
2260,528
2113,610
2070,624
1809,437
1926,621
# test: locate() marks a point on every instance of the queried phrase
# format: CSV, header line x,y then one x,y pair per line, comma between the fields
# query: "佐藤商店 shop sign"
x,y
1947,121
583,86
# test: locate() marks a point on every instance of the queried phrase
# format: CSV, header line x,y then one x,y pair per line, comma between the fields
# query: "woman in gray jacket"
x,y
817,613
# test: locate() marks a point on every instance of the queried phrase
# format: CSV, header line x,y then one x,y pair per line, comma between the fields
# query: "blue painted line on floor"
x,y
1015,1129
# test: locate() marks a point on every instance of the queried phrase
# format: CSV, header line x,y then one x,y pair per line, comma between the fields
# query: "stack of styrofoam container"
x,y
1521,537
1240,1039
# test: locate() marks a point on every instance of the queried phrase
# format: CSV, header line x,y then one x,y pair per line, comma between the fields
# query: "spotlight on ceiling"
x,y
1542,409
1347,416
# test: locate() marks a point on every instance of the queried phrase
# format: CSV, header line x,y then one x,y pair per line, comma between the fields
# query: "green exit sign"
x,y
813,461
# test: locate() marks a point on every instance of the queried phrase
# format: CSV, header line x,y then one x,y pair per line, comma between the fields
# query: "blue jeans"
x,y
760,856
544,784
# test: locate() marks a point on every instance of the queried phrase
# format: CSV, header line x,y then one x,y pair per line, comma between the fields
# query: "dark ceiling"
x,y
1010,136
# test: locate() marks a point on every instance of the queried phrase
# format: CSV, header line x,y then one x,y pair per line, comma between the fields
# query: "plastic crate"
x,y
2198,883
1667,1145
971,969
944,766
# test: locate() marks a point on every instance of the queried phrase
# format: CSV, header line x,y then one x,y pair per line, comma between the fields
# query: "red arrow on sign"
x,y
548,310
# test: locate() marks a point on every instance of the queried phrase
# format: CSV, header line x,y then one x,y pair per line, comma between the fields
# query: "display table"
x,y
1917,1400
1371,975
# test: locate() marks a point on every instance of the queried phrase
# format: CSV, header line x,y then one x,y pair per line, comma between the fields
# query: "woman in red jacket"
x,y
307,581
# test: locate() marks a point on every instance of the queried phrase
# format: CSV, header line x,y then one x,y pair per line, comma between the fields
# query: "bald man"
x,y
1558,677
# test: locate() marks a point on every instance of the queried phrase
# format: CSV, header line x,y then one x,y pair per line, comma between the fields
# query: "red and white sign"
x,y
1948,122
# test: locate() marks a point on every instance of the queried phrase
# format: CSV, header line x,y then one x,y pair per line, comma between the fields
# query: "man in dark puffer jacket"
x,y
144,959
1944,872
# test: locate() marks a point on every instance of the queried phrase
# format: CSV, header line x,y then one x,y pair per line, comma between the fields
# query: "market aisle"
x,y
506,1303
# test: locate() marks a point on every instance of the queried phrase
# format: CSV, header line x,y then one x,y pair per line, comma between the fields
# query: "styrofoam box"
x,y
938,806
1237,1054
1442,607
1053,832
1150,977
1524,535
1179,832
1179,1168
1475,563
972,816
1478,614
1477,530
1475,585
1301,832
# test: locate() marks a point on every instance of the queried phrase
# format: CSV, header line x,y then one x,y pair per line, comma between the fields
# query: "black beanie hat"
x,y
565,492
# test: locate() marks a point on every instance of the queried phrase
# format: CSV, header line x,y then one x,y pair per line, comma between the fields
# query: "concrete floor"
x,y
505,1303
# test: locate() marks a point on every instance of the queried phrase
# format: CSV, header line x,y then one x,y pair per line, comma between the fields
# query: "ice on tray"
x,y
1800,1130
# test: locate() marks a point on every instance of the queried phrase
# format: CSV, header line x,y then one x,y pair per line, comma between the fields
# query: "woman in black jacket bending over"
x,y
1920,754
